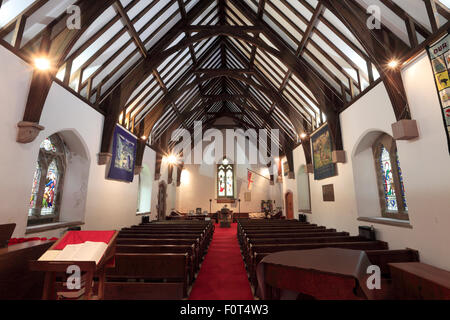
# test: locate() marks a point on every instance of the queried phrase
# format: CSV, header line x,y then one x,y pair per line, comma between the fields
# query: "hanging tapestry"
x,y
123,156
322,154
440,59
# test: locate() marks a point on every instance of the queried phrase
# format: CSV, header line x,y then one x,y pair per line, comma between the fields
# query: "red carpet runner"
x,y
222,275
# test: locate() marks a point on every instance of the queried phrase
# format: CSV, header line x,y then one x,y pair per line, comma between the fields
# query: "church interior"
x,y
225,150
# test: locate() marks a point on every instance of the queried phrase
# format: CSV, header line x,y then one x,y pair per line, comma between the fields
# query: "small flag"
x,y
250,181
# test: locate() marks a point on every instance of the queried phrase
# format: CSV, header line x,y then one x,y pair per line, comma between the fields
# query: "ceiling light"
x,y
42,64
393,64
303,136
144,138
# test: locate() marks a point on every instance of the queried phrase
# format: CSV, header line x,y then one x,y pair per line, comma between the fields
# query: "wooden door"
x,y
289,202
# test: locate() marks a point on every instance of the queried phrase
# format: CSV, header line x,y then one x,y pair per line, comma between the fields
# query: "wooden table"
x,y
420,281
323,274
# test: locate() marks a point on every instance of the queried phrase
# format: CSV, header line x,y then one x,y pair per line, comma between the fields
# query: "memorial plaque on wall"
x,y
439,54
328,193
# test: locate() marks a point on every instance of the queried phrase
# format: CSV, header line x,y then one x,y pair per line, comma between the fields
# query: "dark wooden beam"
x,y
120,93
245,29
221,70
56,42
329,101
141,143
382,46
290,161
432,14
131,29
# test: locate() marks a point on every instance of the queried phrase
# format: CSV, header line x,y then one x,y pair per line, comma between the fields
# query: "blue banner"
x,y
123,155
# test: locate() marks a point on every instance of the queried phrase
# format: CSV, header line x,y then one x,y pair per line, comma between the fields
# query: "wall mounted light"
x,y
393,64
42,64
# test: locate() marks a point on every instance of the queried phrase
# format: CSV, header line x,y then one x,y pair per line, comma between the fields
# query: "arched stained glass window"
x,y
225,180
47,181
391,186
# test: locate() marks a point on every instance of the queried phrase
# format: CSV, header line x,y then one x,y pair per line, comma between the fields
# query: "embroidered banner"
x,y
123,155
440,60
323,154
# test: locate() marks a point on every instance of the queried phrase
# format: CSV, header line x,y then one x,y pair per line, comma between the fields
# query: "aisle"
x,y
222,275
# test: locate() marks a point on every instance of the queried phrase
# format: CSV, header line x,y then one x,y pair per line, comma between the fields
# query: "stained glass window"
x,y
225,180
390,175
45,190
51,182
47,145
222,191
388,180
35,187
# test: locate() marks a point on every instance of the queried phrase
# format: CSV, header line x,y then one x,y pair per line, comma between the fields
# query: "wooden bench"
x,y
204,240
201,246
382,258
162,241
162,275
251,237
244,238
16,280
420,281
189,249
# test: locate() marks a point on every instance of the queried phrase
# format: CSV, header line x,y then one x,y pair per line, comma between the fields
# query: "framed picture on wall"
x,y
322,149
286,168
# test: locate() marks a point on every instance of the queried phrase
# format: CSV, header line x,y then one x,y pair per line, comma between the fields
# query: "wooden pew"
x,y
382,258
189,249
200,246
300,235
420,281
250,234
159,242
204,239
162,275
17,282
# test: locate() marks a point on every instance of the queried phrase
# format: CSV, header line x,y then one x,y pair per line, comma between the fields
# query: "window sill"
x,y
387,221
52,226
143,213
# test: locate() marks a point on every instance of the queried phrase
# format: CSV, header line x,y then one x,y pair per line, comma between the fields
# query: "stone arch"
x,y
364,174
